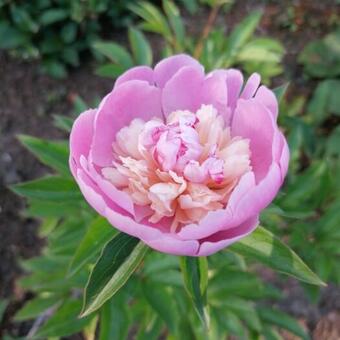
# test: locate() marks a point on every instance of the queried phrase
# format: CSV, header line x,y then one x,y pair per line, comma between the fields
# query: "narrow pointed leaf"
x,y
119,259
195,281
280,91
242,33
114,319
49,188
282,320
63,122
64,322
36,307
98,234
161,300
175,20
116,53
141,48
53,154
263,246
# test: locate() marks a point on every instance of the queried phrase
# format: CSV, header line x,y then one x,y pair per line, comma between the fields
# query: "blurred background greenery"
x,y
50,51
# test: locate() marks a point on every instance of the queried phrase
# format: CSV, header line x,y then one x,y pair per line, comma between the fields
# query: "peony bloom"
x,y
182,160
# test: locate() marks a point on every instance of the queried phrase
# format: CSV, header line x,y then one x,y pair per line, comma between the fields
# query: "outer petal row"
x,y
130,100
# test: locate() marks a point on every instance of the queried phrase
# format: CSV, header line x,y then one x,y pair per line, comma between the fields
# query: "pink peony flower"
x,y
182,160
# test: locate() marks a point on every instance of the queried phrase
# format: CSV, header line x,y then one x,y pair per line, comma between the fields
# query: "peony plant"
x,y
176,160
183,160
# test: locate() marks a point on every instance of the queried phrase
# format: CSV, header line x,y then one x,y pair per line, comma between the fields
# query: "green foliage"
x,y
52,154
122,59
217,50
58,32
307,211
195,275
83,250
129,289
119,259
263,246
321,58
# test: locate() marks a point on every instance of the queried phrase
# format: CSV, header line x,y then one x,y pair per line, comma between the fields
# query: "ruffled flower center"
x,y
180,169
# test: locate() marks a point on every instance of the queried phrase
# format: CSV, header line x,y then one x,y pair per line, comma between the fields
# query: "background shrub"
x,y
57,31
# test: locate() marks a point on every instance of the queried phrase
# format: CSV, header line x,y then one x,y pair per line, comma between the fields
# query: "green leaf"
x,y
195,281
231,282
270,333
264,50
43,208
64,322
53,15
231,323
154,19
151,329
119,259
63,122
50,188
321,58
282,320
70,56
98,233
114,319
141,49
54,68
242,32
110,70
263,246
114,52
175,20
3,306
53,154
280,91
47,226
325,100
245,310
10,37
161,300
23,19
35,307
79,105
69,33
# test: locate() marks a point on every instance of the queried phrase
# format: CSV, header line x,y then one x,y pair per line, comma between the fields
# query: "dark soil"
x,y
29,99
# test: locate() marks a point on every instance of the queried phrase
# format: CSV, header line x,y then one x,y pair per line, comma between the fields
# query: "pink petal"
x,y
253,121
168,67
151,236
136,73
171,245
268,99
121,198
246,200
222,219
128,225
251,86
222,239
215,92
81,139
133,99
183,90
90,192
284,159
234,80
260,196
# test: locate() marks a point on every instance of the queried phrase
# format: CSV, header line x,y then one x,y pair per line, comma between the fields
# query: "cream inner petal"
x,y
180,169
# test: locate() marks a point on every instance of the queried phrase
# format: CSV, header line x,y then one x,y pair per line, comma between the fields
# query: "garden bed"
x,y
28,101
